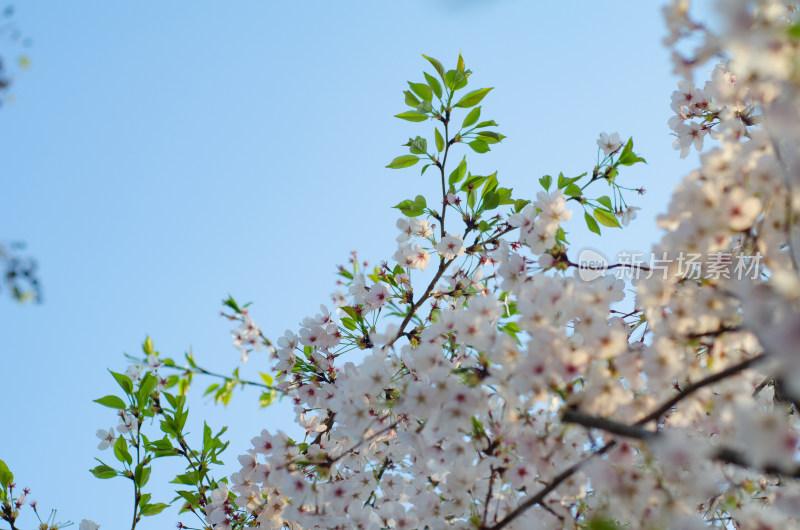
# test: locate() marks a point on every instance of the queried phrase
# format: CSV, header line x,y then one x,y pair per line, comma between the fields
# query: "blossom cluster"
x,y
510,392
529,399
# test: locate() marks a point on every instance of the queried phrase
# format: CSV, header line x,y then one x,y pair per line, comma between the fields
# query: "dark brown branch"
x,y
539,497
604,424
692,388
723,454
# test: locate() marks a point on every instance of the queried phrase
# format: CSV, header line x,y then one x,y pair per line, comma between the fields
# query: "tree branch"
x,y
539,497
692,388
723,454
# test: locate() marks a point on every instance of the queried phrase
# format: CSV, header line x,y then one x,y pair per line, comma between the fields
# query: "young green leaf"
x,y
103,471
606,218
471,118
412,116
628,157
419,146
459,172
491,201
121,451
436,65
591,224
422,90
605,200
267,398
472,98
546,181
153,509
6,476
490,137
439,140
434,84
411,100
112,402
124,381
455,80
403,161
572,190
479,146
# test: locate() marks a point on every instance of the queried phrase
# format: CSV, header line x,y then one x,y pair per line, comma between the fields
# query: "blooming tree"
x,y
485,377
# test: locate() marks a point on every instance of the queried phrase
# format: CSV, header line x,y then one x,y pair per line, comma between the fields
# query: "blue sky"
x,y
158,156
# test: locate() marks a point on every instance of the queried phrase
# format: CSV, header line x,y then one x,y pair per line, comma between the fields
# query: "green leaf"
x,y
460,66
490,184
546,181
455,80
266,378
479,146
411,100
434,84
403,161
459,172
573,190
103,471
436,65
472,117
121,451
490,137
409,208
606,218
411,116
112,402
421,90
628,157
591,224
191,498
189,478
519,204
561,236
472,183
505,195
419,146
163,445
439,140
141,475
6,476
146,386
147,347
491,201
267,398
490,123
153,509
472,98
124,381
605,201
230,302
349,323
424,107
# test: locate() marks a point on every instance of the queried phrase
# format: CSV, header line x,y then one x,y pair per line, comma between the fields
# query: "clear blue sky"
x,y
159,155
